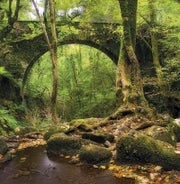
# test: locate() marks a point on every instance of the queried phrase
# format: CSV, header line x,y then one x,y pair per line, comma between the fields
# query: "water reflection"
x,y
32,166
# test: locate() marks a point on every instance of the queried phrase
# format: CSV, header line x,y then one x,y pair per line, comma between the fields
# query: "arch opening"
x,y
86,86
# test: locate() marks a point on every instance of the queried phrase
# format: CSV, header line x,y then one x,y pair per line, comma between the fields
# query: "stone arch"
x,y
108,53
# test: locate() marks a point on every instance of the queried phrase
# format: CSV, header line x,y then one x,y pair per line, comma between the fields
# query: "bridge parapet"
x,y
103,36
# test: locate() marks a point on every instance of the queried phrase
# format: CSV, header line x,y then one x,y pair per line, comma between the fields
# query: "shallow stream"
x,y
33,166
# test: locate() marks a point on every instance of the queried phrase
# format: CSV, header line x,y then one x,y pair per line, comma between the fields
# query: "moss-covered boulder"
x,y
136,147
85,125
54,130
60,143
3,147
165,134
93,154
98,137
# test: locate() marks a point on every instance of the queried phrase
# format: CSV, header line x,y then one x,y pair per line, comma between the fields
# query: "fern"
x,y
7,122
5,73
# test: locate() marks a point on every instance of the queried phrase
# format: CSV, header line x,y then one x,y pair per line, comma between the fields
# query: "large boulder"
x,y
93,154
60,143
137,147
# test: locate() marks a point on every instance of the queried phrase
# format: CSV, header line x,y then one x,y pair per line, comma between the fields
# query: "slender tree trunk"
x,y
52,45
54,61
154,42
76,83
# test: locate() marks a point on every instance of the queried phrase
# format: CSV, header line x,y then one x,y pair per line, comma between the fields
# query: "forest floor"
x,y
142,174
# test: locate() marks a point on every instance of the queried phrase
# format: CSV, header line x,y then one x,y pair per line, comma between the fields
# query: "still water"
x,y
33,166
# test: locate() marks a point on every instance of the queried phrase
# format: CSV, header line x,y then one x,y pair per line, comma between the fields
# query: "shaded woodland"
x,y
80,103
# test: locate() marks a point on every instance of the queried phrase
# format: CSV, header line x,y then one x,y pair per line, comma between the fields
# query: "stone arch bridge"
x,y
28,43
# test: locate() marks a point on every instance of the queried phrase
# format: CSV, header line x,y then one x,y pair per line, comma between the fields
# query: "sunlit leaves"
x,y
5,73
86,77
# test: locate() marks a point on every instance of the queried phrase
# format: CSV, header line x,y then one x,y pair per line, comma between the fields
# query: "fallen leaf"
x,y
67,156
102,167
95,166
23,159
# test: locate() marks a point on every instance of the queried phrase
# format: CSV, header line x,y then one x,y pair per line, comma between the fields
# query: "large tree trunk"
x,y
129,83
130,95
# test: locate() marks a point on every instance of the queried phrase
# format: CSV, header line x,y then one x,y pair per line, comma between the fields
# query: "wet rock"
x,y
107,144
93,154
3,147
142,148
6,157
98,137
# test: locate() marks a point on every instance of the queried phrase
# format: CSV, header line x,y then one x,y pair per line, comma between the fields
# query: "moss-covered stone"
x,y
161,133
145,149
93,154
86,125
60,143
99,137
3,147
54,130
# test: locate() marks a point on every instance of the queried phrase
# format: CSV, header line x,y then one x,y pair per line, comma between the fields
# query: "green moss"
x,y
54,130
145,149
162,133
85,125
60,143
92,154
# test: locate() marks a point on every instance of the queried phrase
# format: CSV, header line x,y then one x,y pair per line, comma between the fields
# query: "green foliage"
x,y
11,117
97,11
86,83
5,73
6,117
171,72
7,122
